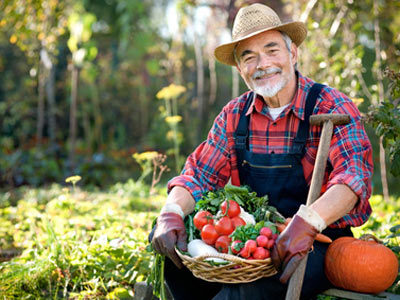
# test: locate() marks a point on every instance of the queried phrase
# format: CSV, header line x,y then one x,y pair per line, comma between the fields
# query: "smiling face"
x,y
266,64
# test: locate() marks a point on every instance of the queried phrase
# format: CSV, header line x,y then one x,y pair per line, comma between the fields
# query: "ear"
x,y
293,53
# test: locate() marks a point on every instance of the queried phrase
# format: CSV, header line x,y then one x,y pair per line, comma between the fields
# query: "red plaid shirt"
x,y
214,161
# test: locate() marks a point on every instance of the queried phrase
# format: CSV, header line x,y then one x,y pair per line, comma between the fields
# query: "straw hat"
x,y
252,20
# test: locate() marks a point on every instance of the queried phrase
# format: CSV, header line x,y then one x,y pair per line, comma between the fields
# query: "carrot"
x,y
320,237
281,227
323,238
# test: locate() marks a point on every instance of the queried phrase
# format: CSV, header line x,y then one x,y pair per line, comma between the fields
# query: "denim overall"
x,y
281,177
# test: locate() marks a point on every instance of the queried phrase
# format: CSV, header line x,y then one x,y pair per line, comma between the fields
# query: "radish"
x,y
259,253
266,231
262,241
251,246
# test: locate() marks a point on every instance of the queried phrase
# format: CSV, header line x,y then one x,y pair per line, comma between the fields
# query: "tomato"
x,y
236,246
222,243
251,245
274,236
202,218
266,231
224,226
270,244
232,206
208,234
262,241
238,221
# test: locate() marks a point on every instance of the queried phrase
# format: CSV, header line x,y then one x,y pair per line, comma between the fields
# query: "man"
x,y
263,139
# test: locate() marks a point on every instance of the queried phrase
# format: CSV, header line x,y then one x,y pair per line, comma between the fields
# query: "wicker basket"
x,y
237,270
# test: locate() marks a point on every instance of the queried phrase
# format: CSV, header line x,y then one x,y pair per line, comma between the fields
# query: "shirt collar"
x,y
298,101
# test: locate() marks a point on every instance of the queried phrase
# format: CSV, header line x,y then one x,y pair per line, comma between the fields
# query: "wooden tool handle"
x,y
296,281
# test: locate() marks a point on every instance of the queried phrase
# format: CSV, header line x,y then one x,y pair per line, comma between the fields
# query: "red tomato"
x,y
274,236
233,208
236,246
270,244
224,226
208,234
266,231
202,218
259,253
251,245
262,241
222,243
238,221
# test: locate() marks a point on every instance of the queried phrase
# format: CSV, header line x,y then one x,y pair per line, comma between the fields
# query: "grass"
x,y
79,244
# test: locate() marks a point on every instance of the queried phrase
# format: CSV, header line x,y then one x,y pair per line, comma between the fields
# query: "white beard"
x,y
269,90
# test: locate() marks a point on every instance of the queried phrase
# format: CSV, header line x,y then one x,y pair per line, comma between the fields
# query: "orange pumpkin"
x,y
362,265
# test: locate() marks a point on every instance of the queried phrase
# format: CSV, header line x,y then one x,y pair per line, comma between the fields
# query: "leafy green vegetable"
x,y
247,199
247,232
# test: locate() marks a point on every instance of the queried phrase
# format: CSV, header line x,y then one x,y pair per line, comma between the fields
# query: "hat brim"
x,y
297,31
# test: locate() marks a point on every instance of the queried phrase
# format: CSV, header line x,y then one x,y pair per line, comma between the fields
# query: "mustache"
x,y
269,71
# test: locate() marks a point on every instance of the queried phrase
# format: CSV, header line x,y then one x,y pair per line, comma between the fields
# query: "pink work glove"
x,y
170,231
292,245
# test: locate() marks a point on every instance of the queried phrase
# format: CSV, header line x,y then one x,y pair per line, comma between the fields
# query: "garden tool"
x,y
327,121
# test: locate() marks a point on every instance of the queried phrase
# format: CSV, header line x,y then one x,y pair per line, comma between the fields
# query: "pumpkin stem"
x,y
370,237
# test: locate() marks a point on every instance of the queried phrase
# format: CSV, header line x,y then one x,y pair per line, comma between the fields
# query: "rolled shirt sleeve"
x,y
351,158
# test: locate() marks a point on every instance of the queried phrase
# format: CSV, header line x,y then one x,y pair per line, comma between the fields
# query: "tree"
x,y
35,26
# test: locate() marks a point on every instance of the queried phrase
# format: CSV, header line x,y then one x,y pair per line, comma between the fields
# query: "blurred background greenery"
x,y
81,80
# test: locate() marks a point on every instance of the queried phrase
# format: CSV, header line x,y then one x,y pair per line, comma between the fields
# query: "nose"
x,y
263,61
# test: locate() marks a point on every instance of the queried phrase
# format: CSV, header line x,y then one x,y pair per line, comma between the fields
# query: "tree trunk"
x,y
73,115
98,119
381,94
213,80
41,105
50,92
49,71
200,85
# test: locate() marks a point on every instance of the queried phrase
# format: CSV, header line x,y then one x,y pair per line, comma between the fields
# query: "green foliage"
x,y
76,244
385,118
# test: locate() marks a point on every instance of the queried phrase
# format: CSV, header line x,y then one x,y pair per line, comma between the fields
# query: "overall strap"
x,y
242,130
299,142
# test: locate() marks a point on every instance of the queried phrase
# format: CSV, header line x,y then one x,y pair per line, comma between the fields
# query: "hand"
x,y
292,245
170,230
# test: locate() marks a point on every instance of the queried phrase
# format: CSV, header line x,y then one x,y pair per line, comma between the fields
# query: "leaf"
x,y
396,249
395,228
395,164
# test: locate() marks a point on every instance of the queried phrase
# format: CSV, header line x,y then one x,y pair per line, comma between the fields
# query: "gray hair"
x,y
286,38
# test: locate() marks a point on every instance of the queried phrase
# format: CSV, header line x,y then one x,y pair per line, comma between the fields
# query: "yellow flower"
x,y
171,91
357,101
73,179
148,155
172,120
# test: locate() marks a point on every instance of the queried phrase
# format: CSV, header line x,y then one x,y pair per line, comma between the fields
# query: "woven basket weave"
x,y
238,270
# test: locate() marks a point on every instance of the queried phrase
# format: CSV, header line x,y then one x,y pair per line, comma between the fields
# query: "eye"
x,y
249,58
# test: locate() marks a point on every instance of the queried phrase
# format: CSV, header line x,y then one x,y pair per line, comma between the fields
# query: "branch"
x,y
306,12
336,22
